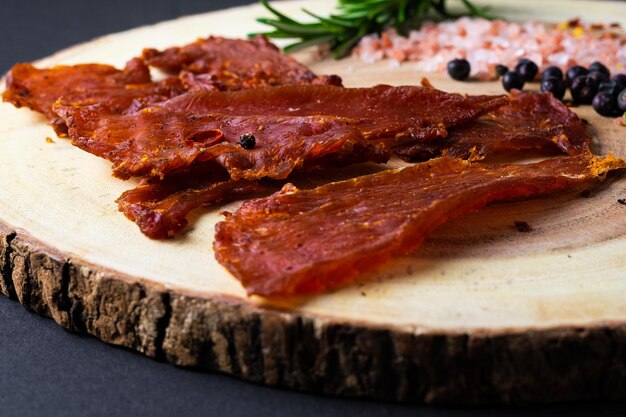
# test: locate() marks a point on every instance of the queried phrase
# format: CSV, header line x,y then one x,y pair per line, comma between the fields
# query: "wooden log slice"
x,y
482,313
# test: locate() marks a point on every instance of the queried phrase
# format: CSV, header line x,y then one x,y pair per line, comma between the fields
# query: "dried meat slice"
x,y
529,122
160,207
157,141
301,242
399,114
209,64
236,63
120,90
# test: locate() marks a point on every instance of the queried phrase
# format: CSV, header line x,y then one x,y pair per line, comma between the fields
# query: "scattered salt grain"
x,y
487,43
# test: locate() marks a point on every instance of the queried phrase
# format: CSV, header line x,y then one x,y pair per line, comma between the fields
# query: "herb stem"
x,y
357,18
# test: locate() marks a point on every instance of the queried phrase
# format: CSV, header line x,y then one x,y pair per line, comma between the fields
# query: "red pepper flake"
x,y
574,23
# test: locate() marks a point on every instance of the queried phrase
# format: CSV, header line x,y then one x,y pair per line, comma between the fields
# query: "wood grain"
x,y
482,313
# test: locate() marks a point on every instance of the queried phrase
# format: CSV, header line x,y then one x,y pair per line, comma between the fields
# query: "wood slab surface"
x,y
481,313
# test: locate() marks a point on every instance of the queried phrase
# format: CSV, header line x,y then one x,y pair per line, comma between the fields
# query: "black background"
x,y
46,371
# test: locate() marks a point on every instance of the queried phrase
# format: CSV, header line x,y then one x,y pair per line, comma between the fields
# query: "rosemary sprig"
x,y
357,18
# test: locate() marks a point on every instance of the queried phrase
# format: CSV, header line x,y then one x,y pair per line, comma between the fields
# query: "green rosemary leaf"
x,y
354,19
478,11
383,17
309,42
277,13
355,15
299,29
376,10
345,47
331,20
276,34
402,10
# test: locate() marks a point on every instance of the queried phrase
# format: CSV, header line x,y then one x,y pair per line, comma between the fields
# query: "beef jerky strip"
x,y
301,242
160,207
529,122
227,64
399,114
157,141
236,64
120,90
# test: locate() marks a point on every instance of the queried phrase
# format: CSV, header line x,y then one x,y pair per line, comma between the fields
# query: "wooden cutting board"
x,y
482,313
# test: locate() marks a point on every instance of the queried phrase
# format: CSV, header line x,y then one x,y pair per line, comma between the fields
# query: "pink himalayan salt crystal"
x,y
487,43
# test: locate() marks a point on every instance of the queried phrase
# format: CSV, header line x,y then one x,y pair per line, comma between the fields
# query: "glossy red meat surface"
x,y
120,90
394,114
529,122
160,207
306,241
209,64
236,63
157,141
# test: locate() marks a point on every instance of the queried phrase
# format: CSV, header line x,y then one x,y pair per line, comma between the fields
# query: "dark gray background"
x,y
46,371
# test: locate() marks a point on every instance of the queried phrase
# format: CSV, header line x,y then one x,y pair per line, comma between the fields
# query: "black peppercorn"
x,y
582,91
511,80
501,70
247,141
606,104
574,72
459,69
527,69
552,72
598,66
553,85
